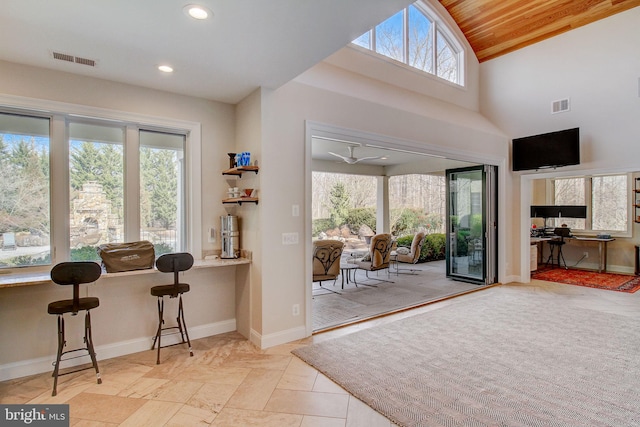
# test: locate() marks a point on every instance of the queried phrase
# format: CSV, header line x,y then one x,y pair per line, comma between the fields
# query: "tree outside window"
x,y
409,37
24,193
606,198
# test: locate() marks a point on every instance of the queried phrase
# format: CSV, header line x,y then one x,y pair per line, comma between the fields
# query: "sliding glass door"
x,y
471,224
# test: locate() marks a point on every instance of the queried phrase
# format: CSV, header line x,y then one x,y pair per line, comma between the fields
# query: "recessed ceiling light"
x,y
165,69
196,11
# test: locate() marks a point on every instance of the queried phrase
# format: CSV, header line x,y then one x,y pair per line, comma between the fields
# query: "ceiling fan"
x,y
351,159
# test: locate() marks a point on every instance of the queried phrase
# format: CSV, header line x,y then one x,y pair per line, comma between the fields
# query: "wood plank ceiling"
x,y
497,27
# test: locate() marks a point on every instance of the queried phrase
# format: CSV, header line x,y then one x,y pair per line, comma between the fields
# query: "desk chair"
x,y
172,263
74,273
562,232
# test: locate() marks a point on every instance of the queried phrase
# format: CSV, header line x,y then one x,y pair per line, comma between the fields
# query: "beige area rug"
x,y
499,358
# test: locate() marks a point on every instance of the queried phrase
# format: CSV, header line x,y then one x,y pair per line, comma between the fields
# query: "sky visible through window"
x,y
409,37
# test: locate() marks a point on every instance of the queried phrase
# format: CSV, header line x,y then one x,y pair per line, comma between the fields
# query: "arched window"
x,y
417,37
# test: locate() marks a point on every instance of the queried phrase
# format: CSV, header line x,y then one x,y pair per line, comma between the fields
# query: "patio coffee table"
x,y
347,268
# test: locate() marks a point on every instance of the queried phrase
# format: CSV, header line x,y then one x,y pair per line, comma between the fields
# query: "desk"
x,y
602,250
602,247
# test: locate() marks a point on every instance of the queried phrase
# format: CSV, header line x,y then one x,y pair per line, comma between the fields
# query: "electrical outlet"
x,y
586,254
295,309
211,235
289,238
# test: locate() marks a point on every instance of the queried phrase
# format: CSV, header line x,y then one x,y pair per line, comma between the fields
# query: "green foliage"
x,y
102,163
321,224
159,198
85,253
433,222
24,196
433,247
339,199
476,225
405,241
26,260
361,216
162,248
413,220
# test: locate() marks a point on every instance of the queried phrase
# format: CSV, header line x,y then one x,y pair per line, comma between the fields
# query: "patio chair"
x,y
326,261
412,257
379,256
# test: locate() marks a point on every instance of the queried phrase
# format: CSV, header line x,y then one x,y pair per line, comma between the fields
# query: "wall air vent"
x,y
560,106
63,57
76,59
85,61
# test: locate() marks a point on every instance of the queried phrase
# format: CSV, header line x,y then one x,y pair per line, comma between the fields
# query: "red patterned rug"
x,y
591,279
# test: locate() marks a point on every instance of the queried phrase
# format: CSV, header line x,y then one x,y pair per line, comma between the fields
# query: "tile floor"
x,y
229,382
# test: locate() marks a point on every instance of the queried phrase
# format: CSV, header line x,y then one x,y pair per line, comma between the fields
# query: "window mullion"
x,y
59,176
405,38
372,38
132,184
434,51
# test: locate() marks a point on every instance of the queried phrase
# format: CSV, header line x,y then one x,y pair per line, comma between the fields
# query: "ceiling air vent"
x,y
76,59
560,106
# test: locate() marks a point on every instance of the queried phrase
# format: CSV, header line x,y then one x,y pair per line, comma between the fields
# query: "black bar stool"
x,y
74,273
172,263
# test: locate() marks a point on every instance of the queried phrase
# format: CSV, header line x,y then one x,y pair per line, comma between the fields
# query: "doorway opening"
x,y
361,186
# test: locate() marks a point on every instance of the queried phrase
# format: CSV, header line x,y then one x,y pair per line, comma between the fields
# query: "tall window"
x,y
415,37
606,198
24,191
103,206
96,188
162,190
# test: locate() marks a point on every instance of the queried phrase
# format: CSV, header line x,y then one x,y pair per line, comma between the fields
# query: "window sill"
x,y
31,279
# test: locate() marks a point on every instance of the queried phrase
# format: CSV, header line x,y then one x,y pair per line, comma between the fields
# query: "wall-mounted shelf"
x,y
238,171
240,200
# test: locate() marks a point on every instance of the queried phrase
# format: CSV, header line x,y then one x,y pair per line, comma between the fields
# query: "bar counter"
x,y
30,279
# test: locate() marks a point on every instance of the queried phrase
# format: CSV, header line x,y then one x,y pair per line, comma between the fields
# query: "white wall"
x,y
598,67
387,110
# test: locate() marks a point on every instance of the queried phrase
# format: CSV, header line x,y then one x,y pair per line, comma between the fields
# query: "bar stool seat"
x,y
66,306
170,290
74,273
172,263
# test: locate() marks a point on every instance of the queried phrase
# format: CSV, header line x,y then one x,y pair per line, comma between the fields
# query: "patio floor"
x,y
356,303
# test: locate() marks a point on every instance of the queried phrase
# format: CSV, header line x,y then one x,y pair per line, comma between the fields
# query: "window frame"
x,y
437,28
588,230
59,115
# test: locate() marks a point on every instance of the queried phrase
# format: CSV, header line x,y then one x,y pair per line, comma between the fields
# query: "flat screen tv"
x,y
548,150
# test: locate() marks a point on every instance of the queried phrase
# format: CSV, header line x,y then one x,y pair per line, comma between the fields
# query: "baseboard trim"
x,y
24,368
282,337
